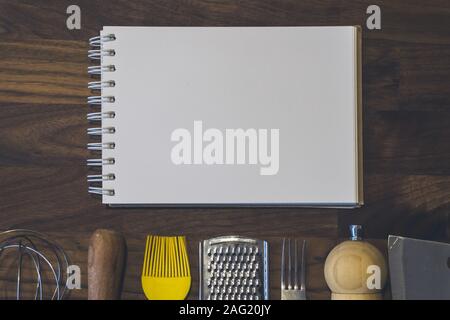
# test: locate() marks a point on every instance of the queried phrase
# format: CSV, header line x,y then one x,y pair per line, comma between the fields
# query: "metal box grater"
x,y
233,268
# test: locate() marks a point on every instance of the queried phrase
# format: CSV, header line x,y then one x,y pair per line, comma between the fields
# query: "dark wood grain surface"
x,y
406,86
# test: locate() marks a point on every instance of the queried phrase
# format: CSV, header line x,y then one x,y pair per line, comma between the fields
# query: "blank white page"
x,y
299,80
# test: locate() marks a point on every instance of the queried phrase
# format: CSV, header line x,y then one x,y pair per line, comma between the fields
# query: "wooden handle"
x,y
106,265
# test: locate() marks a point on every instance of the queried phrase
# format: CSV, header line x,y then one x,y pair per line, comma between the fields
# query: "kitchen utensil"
x,y
166,274
419,269
293,286
351,264
233,268
106,265
37,264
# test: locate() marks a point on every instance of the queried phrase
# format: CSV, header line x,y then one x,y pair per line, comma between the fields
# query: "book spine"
x,y
100,136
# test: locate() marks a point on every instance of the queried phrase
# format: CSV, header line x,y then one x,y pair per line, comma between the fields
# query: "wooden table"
x,y
406,86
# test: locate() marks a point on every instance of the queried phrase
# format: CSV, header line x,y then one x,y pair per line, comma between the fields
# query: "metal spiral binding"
x,y
98,116
98,146
98,85
97,53
99,100
100,162
97,41
100,177
101,191
100,131
97,70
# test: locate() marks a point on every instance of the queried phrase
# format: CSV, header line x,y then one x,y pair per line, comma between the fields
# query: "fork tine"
x,y
295,265
303,271
283,264
289,265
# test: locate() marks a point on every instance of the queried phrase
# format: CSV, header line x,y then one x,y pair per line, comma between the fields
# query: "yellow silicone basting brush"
x,y
166,274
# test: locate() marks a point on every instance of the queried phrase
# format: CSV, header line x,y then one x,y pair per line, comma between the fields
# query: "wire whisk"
x,y
39,264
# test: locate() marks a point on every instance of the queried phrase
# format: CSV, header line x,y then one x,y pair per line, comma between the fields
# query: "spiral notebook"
x,y
226,116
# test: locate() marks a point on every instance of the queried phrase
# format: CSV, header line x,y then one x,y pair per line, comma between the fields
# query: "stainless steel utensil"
x,y
234,268
419,269
37,264
293,286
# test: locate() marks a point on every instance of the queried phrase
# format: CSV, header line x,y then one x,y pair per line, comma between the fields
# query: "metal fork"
x,y
294,288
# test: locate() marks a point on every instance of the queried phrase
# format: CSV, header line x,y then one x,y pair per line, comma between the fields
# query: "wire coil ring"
x,y
98,116
98,146
98,40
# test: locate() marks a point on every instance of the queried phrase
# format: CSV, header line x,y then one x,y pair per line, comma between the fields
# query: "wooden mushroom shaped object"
x,y
355,269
